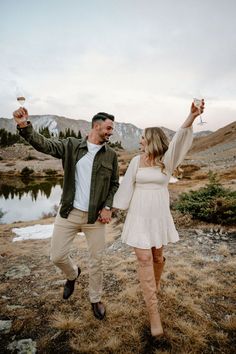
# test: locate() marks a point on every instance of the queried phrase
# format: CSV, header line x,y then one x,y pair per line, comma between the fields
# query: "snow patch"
x,y
35,232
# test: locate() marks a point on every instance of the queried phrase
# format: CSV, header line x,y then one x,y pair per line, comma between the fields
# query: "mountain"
x,y
128,134
202,133
224,135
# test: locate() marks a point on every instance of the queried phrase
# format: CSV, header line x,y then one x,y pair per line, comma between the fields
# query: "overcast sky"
x,y
142,61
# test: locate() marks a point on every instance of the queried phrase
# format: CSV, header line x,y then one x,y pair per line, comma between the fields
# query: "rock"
x,y
222,231
35,294
59,282
217,258
18,272
198,232
223,238
217,237
5,326
23,346
5,297
15,307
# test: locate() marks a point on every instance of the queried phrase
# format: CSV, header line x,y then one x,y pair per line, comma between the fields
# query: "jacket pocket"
x,y
105,168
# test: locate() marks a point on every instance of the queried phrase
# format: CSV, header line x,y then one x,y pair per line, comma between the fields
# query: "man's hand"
x,y
21,117
105,216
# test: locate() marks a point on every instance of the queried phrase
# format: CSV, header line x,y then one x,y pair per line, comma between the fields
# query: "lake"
x,y
31,199
25,200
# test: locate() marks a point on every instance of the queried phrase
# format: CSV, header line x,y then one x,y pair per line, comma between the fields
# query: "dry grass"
x,y
224,250
196,302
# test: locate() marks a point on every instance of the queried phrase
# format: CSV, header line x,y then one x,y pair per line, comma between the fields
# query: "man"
x,y
90,181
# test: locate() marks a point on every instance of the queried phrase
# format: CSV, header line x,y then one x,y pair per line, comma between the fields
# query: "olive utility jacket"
x,y
105,174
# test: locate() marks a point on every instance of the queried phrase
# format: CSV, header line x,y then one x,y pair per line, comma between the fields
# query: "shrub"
x,y
26,171
30,157
2,213
212,203
50,172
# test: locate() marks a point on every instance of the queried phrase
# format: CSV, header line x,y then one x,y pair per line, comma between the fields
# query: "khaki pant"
x,y
64,233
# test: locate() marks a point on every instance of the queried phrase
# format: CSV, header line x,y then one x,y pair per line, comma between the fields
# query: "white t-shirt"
x,y
83,172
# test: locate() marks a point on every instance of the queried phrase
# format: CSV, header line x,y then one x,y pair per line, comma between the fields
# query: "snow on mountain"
x,y
126,133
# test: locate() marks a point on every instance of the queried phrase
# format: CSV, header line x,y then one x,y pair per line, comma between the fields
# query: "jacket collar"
x,y
83,144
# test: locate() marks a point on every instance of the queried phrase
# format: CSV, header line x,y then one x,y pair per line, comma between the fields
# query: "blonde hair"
x,y
157,145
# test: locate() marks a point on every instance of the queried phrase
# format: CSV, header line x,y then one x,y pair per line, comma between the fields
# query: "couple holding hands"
x,y
91,190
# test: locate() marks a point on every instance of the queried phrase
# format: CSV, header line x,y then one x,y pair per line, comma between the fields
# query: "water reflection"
x,y
17,188
31,199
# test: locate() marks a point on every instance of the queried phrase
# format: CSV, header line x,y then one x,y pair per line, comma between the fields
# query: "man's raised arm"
x,y
56,148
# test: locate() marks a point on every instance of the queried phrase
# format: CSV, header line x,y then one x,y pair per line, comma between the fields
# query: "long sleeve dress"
x,y
144,192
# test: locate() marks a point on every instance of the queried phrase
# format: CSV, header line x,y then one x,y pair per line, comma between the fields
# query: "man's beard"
x,y
105,139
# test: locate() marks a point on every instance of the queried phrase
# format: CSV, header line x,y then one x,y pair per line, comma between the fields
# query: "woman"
x,y
143,191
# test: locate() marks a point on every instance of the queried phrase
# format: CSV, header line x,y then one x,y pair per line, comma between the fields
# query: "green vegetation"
x,y
30,157
212,203
45,132
7,138
26,172
69,133
1,214
50,172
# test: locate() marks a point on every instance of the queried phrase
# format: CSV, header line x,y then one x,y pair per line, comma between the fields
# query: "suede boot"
x,y
148,286
158,269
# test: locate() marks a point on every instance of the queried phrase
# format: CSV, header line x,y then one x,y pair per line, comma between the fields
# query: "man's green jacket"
x,y
105,174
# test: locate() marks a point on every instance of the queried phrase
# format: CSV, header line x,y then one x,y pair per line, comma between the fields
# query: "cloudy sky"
x,y
143,61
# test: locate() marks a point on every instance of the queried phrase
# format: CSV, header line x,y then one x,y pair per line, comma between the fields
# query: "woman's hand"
x,y
104,216
196,111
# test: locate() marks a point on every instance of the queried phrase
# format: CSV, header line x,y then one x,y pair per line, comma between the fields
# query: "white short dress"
x,y
144,192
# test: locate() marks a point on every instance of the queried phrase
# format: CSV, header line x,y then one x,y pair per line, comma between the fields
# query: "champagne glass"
x,y
20,97
21,100
197,103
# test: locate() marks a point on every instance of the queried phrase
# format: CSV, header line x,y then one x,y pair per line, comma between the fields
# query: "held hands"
x,y
197,111
21,116
105,216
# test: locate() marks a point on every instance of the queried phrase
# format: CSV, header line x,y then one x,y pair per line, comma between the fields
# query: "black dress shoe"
x,y
69,286
99,310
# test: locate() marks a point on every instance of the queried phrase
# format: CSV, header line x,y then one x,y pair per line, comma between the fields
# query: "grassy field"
x,y
196,300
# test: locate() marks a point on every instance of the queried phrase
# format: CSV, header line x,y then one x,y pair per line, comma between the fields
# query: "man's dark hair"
x,y
102,116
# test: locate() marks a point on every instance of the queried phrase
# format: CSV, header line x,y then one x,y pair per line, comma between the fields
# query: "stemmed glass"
x,y
20,99
197,103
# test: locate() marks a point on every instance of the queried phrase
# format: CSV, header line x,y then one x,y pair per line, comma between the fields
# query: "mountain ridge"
x,y
126,133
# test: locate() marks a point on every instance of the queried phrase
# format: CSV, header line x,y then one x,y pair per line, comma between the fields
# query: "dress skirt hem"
x,y
145,247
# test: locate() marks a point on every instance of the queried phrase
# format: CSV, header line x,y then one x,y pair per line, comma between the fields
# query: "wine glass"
x,y
20,97
21,100
197,103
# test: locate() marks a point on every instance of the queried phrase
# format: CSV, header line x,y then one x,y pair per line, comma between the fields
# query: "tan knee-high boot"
x,y
158,269
148,286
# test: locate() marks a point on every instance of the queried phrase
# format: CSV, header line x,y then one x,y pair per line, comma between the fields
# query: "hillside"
x,y
222,135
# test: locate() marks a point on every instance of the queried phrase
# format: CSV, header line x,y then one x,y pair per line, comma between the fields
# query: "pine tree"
x,y
45,132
